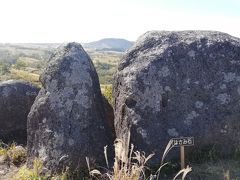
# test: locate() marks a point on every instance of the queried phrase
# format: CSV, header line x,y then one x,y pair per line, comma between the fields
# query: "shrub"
x,y
4,68
26,173
15,154
20,64
107,92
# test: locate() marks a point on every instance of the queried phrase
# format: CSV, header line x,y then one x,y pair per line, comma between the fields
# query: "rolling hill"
x,y
109,44
26,60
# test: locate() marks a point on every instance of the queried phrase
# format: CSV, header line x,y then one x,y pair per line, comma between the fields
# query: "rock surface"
x,y
16,99
109,116
67,122
173,84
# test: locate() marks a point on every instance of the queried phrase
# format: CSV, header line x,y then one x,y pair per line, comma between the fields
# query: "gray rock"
x,y
173,84
67,122
16,99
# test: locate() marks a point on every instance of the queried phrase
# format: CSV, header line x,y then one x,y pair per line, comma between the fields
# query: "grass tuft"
x,y
131,165
26,173
14,154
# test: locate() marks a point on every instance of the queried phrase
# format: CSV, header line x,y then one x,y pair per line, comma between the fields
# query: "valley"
x,y
26,61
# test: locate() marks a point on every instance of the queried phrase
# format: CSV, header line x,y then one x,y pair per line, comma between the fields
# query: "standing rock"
x,y
173,84
67,122
16,99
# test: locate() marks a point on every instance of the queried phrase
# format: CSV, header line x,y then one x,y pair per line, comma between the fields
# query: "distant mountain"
x,y
109,44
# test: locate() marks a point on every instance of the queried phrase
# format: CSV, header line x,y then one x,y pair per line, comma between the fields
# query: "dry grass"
x,y
106,90
128,165
104,86
131,165
105,57
25,75
14,154
35,173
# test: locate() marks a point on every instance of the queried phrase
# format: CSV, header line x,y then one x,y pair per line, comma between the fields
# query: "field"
x,y
26,61
105,64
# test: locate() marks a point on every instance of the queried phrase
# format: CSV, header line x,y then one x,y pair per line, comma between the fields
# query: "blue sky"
x,y
88,20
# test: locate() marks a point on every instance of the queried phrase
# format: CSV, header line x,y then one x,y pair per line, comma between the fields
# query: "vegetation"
x,y
13,154
26,61
132,165
35,173
25,75
20,64
4,68
10,53
105,64
129,164
107,92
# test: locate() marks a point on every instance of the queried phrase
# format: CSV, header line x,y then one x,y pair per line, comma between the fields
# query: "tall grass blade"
x,y
167,149
106,157
184,171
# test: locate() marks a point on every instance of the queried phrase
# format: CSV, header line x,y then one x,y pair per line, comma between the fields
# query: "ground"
x,y
214,170
7,173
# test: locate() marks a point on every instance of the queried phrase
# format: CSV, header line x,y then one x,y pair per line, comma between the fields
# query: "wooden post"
x,y
182,156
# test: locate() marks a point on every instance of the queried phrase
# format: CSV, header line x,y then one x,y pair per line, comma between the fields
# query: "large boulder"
x,y
16,99
67,121
174,84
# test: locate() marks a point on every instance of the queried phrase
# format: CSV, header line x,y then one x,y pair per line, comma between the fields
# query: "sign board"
x,y
183,141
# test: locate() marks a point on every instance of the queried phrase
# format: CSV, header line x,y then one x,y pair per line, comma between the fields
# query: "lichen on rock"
x,y
68,119
179,83
16,99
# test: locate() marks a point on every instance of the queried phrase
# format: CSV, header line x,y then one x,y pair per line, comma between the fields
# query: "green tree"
x,y
20,64
4,68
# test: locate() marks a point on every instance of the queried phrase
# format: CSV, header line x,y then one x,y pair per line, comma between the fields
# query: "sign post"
x,y
182,157
182,142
